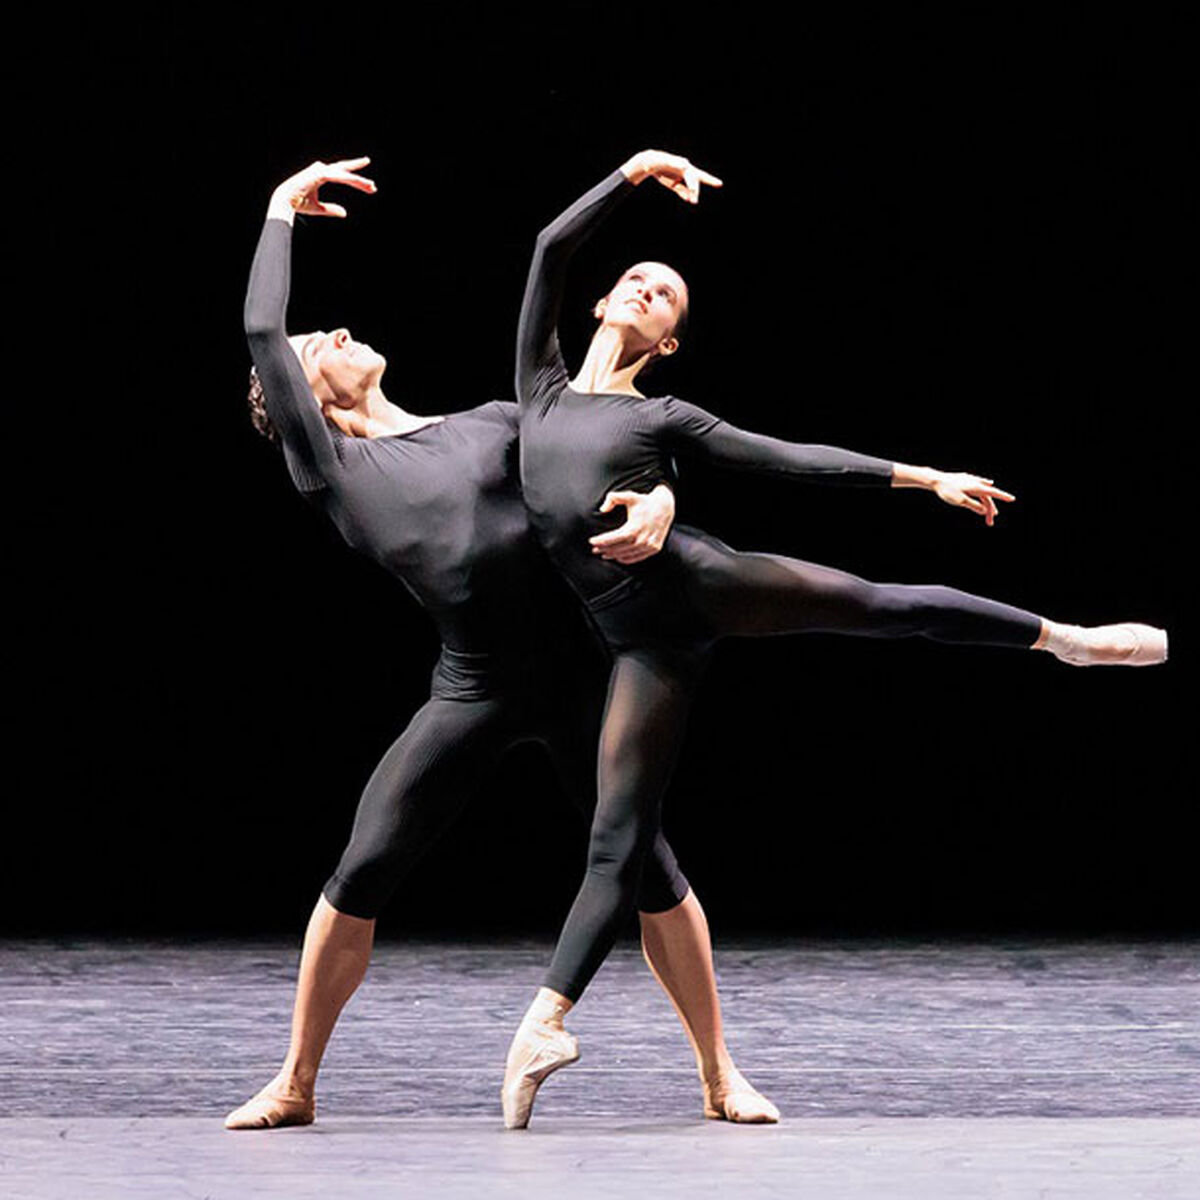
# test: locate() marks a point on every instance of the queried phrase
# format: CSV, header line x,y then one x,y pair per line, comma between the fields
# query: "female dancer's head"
x,y
647,310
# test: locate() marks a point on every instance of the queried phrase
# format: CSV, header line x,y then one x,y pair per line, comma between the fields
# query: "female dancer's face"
x,y
645,305
340,370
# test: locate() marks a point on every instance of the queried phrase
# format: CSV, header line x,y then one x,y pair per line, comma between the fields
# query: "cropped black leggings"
x,y
660,632
445,756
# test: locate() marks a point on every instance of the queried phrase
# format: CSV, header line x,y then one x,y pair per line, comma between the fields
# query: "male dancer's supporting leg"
x,y
337,948
678,949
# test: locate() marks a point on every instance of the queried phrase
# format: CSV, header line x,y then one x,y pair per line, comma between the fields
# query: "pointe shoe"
x,y
537,1051
1128,644
732,1098
269,1110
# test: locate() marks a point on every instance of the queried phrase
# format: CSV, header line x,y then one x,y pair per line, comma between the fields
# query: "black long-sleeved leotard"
x,y
576,447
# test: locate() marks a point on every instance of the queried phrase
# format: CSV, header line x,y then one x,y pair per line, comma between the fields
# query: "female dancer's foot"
x,y
540,1047
730,1097
280,1103
1128,644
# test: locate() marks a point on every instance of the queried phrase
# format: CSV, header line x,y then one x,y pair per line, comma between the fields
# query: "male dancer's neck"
x,y
375,416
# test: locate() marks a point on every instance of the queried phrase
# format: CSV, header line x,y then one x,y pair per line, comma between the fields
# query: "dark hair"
x,y
259,416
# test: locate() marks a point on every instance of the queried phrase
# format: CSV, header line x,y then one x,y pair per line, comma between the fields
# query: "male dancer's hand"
x,y
672,171
647,522
300,192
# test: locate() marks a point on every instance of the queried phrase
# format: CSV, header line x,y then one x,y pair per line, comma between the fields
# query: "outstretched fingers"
x,y
677,173
345,171
990,489
304,188
689,187
986,493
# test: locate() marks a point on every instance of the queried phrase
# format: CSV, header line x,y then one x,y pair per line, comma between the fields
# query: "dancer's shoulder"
x,y
685,417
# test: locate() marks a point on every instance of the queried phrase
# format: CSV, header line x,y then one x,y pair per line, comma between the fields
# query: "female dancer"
x,y
581,436
436,501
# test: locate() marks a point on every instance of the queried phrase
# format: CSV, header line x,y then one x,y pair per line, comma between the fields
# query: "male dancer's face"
x,y
340,370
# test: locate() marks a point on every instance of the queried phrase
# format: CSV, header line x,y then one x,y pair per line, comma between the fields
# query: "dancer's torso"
x,y
441,509
575,449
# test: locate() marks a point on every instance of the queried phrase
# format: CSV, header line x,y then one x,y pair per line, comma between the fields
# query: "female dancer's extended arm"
x,y
688,428
286,392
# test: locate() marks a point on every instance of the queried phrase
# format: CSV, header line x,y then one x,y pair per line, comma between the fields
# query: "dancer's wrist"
x,y
634,169
281,207
906,476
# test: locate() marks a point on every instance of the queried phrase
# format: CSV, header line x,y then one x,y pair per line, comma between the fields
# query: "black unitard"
x,y
441,509
661,617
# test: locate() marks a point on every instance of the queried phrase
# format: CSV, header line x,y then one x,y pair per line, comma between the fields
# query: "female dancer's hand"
x,y
672,171
300,193
969,491
647,522
959,488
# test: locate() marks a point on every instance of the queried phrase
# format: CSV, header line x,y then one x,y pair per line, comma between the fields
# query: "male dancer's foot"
x,y
337,948
678,949
729,1096
540,1047
1127,644
281,1102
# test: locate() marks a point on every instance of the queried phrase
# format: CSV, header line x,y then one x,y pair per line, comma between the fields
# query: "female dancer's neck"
x,y
375,416
608,366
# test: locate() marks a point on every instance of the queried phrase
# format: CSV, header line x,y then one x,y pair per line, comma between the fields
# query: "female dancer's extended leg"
x,y
736,594
650,693
759,594
755,595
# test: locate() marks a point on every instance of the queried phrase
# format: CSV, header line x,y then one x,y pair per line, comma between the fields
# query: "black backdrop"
x,y
958,241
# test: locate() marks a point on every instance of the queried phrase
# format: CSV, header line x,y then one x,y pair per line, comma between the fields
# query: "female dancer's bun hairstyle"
x,y
259,417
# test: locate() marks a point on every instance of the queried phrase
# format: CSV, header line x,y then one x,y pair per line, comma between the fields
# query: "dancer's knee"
x,y
659,892
360,887
663,884
619,848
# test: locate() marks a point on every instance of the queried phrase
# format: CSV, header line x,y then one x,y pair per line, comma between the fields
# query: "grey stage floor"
x,y
1050,1070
